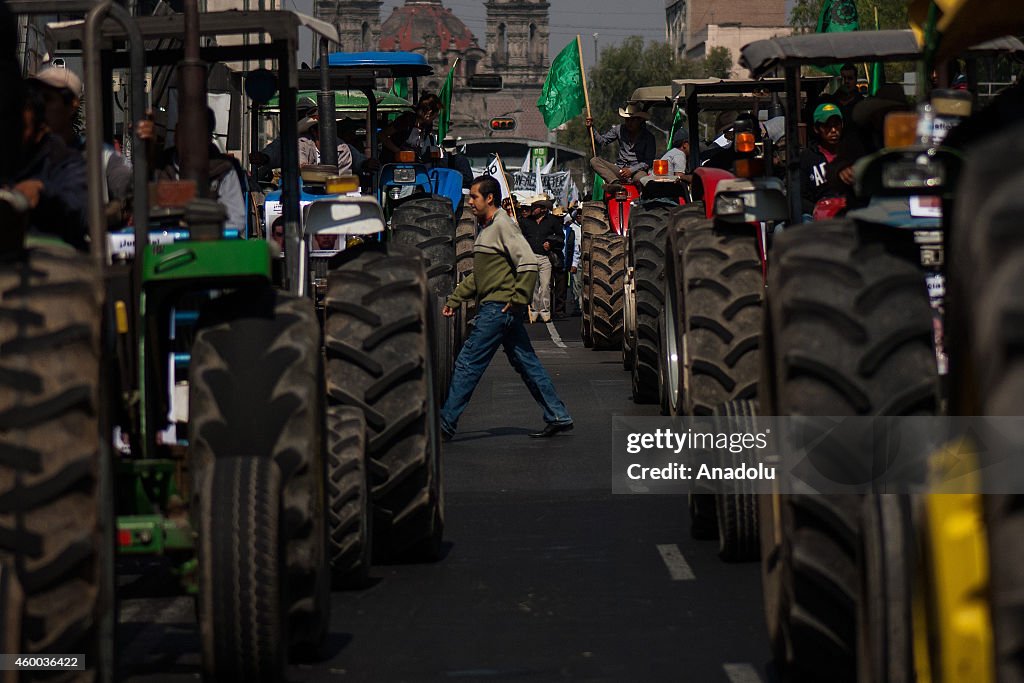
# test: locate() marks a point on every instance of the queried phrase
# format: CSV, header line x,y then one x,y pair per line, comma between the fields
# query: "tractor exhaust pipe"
x,y
193,137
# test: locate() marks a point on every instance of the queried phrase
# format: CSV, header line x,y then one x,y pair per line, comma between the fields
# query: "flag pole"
x,y
586,92
511,204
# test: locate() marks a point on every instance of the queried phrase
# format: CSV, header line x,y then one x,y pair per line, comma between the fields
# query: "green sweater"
x,y
504,266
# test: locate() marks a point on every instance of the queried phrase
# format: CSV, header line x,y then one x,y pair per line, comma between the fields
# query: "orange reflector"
x,y
900,129
407,157
124,537
749,168
661,167
435,153
745,143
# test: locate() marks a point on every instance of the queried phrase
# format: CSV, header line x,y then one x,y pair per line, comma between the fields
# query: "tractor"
x,y
211,466
853,326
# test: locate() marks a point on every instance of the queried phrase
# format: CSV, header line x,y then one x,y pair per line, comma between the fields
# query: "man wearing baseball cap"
x,y
637,147
814,161
54,173
62,89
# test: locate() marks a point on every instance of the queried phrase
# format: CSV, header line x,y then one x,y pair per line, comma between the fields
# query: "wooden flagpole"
x,y
586,92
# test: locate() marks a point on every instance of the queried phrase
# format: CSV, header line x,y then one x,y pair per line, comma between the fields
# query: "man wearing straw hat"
x,y
637,147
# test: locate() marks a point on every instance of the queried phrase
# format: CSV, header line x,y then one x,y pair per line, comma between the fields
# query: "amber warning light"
x,y
661,167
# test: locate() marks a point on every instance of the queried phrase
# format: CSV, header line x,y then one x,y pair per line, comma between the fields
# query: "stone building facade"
x,y
515,48
694,27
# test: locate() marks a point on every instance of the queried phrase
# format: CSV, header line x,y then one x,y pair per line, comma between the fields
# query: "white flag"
x,y
495,170
539,188
526,162
549,167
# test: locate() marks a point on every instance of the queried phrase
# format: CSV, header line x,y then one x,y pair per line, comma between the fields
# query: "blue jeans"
x,y
493,329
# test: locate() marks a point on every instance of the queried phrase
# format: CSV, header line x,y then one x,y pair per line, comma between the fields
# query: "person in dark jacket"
x,y
814,160
637,147
55,174
544,233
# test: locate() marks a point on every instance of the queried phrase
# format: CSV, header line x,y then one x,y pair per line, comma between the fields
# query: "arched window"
x,y
366,37
532,53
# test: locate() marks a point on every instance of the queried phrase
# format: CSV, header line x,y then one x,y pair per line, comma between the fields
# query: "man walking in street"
x,y
503,278
544,233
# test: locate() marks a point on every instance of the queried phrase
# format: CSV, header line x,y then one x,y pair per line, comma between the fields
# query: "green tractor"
x,y
214,391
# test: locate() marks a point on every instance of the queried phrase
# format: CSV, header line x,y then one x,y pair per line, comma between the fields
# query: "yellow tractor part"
x,y
963,23
953,638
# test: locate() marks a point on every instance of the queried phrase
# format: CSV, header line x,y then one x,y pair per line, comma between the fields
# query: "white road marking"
x,y
554,336
741,673
678,568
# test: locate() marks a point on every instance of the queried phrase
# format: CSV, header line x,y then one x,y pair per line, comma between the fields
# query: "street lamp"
x,y
595,48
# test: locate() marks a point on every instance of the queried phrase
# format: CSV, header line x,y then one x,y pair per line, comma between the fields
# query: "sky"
x,y
613,20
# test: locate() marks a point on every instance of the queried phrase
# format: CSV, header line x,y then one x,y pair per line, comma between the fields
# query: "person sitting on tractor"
x,y
637,147
309,147
270,156
848,95
676,156
412,131
224,174
348,133
814,160
51,176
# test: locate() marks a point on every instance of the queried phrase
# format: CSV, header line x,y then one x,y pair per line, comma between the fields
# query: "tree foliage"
x,y
891,14
622,69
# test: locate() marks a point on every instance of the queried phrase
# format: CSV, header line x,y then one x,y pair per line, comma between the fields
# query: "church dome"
x,y
409,25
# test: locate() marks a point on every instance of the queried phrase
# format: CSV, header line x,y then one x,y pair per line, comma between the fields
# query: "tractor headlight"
x,y
726,205
405,175
922,172
354,241
395,193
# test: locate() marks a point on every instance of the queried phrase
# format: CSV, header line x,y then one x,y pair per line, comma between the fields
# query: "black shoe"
x,y
551,429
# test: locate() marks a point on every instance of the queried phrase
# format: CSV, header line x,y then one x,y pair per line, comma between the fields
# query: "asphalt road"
x,y
547,575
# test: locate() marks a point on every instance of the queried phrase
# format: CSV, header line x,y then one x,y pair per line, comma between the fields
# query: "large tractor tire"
x,y
594,222
278,414
848,331
885,650
607,269
986,305
427,224
736,501
672,321
648,226
241,570
380,360
51,513
722,276
465,237
349,517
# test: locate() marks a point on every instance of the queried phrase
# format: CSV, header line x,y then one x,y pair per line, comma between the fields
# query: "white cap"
x,y
61,78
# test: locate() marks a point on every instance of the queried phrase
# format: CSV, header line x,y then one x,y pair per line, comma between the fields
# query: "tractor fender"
x,y
705,183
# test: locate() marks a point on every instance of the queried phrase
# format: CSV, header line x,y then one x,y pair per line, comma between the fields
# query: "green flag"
x,y
598,194
837,16
563,98
444,123
400,88
877,69
677,121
